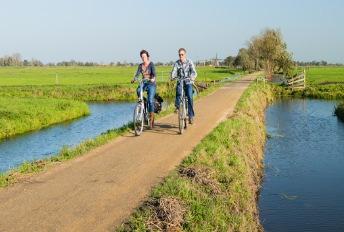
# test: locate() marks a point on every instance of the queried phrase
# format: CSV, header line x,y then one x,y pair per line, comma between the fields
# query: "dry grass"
x,y
167,214
203,176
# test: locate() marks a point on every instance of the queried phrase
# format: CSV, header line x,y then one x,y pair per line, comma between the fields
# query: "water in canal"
x,y
303,187
46,142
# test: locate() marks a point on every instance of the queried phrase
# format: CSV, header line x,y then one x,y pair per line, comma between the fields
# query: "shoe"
x,y
191,120
176,110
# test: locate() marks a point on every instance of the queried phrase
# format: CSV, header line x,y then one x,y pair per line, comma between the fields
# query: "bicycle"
x,y
140,116
183,107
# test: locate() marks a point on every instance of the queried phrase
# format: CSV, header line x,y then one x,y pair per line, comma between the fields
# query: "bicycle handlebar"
x,y
181,78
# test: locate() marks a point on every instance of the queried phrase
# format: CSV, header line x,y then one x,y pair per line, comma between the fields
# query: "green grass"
x,y
329,92
23,76
232,153
340,111
325,75
19,115
90,83
124,92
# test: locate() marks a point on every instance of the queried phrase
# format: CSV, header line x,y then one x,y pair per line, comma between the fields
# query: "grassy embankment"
x,y
215,187
30,168
19,115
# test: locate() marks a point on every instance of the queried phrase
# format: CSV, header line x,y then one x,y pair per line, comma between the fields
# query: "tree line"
x,y
16,60
316,63
266,51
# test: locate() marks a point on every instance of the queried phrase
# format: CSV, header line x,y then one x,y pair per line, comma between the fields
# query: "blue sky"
x,y
104,30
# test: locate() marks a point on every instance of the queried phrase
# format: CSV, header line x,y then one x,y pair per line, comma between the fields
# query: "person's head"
x,y
182,54
144,56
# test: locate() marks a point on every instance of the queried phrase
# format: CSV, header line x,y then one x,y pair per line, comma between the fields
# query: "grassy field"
x,y
215,187
23,76
90,83
325,75
19,115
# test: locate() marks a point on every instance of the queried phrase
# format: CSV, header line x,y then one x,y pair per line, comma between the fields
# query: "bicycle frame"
x,y
140,112
183,107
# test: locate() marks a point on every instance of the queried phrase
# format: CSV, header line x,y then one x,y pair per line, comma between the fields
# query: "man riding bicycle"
x,y
147,70
184,68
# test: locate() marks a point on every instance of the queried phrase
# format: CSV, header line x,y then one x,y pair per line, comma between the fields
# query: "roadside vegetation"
x,y
215,187
19,115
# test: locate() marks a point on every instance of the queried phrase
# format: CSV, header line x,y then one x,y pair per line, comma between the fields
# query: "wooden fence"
x,y
297,82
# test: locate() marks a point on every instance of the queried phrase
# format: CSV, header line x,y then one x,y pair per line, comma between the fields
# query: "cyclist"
x,y
147,70
187,67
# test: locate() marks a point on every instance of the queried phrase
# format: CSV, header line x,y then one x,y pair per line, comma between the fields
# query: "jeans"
x,y
151,89
188,92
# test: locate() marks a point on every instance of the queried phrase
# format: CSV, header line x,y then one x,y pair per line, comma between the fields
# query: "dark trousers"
x,y
188,92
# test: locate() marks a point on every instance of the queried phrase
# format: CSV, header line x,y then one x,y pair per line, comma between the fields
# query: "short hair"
x,y
144,52
182,49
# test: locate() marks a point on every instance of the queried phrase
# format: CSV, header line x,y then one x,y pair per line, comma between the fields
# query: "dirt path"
x,y
97,191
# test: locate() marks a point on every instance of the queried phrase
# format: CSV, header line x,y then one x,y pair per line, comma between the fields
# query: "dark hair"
x,y
181,49
144,52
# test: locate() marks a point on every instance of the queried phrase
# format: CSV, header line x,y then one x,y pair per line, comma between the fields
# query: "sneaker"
x,y
176,110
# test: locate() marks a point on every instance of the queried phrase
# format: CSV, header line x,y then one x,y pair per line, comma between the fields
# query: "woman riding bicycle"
x,y
187,68
147,70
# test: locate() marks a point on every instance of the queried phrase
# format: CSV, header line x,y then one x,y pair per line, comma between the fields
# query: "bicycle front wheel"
x,y
138,119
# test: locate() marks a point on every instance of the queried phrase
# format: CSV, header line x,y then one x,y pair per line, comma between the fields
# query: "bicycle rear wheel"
x,y
185,114
181,121
138,119
195,90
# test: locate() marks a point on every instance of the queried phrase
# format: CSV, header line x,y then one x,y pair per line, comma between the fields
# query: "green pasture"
x,y
325,75
104,75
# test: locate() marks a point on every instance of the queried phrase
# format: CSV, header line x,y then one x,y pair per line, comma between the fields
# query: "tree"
x,y
285,63
271,50
244,60
229,61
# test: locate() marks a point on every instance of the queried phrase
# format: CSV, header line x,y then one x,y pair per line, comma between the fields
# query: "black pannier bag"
x,y
157,103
